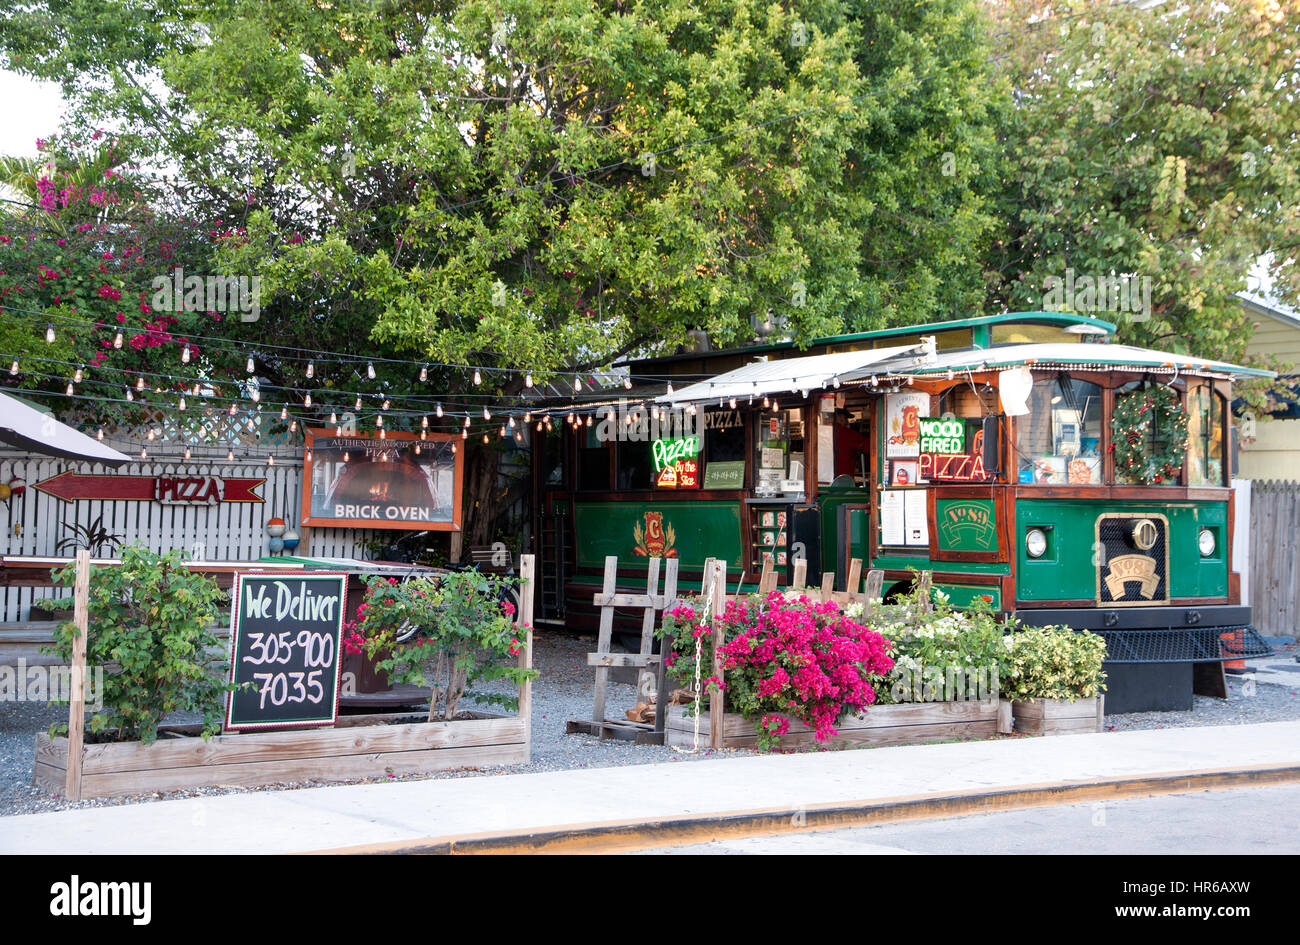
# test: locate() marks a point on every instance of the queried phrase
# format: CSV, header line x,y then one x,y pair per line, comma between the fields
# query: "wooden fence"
x,y
1275,557
35,522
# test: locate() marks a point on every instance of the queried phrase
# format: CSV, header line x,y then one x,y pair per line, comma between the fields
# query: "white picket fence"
x,y
35,522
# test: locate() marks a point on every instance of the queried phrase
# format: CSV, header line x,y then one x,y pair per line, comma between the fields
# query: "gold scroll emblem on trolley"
x,y
1132,568
1145,561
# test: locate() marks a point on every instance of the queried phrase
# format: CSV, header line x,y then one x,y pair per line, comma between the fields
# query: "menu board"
x,y
903,517
286,639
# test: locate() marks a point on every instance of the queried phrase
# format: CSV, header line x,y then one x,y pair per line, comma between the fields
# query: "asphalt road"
x,y
1247,820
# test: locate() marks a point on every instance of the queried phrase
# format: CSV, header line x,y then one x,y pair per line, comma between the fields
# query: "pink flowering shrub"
x,y
783,659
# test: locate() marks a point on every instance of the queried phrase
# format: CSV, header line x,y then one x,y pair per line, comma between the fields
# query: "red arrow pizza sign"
x,y
169,490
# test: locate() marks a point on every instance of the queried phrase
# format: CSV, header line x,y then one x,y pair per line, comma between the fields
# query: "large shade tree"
x,y
545,186
1158,144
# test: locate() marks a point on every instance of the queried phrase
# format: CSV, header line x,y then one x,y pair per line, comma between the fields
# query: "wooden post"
x,y
875,585
923,592
77,704
828,584
527,569
854,584
717,700
767,577
800,574
602,641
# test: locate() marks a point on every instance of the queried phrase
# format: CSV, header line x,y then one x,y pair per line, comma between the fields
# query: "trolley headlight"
x,y
1036,542
1206,542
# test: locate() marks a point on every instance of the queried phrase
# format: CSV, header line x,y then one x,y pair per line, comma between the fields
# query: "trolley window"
x,y
1060,441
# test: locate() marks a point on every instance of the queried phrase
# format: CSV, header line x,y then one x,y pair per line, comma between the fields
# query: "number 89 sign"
x,y
285,656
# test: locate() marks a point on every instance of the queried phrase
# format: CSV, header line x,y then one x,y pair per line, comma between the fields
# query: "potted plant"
x,y
451,632
1052,677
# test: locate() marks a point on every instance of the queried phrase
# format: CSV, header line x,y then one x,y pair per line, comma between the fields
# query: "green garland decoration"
x,y
1149,435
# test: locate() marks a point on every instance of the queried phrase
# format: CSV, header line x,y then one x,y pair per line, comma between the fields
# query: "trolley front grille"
x,y
1132,557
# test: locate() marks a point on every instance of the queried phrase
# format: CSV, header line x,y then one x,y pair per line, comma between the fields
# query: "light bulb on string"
x,y
233,410
417,449
577,383
196,390
306,401
438,411
129,395
345,456
357,405
370,371
13,368
379,421
588,420
99,434
466,420
424,373
424,423
334,418
309,456
670,387
528,416
464,434
383,434
181,405
284,413
249,366
519,436
487,415
424,435
293,426
139,383
255,394
187,452
453,447
311,369
502,432
144,454
185,352
627,382
485,439
478,378
49,334
230,456
511,424
270,460
117,343
528,379
69,390
732,403
387,403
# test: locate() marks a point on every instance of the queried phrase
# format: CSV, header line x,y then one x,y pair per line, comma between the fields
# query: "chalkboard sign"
x,y
286,632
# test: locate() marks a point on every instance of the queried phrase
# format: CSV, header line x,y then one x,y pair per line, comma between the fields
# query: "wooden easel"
x,y
646,662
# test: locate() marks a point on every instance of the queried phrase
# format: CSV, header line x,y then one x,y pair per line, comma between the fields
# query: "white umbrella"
x,y
29,429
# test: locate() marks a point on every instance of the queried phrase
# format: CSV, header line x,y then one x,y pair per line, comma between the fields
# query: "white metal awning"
x,y
796,375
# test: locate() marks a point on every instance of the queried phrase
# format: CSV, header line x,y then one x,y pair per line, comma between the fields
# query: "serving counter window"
x,y
779,452
1059,442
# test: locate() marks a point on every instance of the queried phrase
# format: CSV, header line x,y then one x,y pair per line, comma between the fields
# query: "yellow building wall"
x,y
1275,454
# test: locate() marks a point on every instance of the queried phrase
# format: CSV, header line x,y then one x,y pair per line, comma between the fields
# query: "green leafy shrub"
x,y
153,618
1054,663
464,635
940,653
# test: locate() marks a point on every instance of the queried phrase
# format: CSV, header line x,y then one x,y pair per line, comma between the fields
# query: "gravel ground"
x,y
563,692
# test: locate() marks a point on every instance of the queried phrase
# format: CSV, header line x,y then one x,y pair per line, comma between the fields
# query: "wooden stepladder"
x,y
651,603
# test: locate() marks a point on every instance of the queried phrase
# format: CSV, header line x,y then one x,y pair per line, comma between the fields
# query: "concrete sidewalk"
x,y
648,804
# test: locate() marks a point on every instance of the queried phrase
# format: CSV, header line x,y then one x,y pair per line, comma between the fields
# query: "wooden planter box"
x,y
357,748
1055,717
906,724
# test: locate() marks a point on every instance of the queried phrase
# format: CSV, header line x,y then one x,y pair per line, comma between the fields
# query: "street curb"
x,y
617,836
